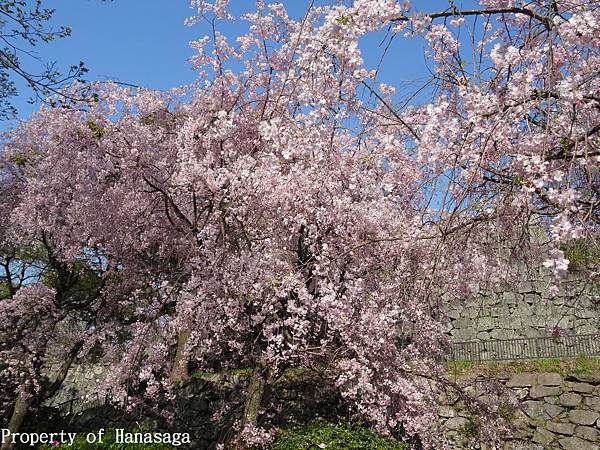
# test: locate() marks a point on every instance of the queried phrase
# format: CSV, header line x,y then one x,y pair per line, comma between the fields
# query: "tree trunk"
x,y
16,420
180,372
258,391
22,405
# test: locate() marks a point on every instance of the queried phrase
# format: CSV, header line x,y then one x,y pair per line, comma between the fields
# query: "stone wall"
x,y
524,311
80,388
207,408
551,412
548,411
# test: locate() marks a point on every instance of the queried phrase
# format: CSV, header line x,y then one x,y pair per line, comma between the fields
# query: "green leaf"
x,y
18,159
97,131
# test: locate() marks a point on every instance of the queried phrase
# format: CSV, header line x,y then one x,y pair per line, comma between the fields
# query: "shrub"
x,y
333,436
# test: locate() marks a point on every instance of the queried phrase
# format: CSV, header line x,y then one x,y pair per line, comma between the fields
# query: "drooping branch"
x,y
455,12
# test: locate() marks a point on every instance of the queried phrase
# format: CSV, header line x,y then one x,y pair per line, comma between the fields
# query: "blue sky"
x,y
145,42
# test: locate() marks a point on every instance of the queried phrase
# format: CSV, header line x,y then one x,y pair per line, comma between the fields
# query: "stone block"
x,y
532,299
514,323
454,313
521,393
553,411
463,334
543,436
570,399
472,311
446,411
525,287
543,391
499,311
483,336
566,429
584,313
527,320
490,300
502,334
520,420
539,310
585,302
521,380
582,387
519,445
462,323
593,403
485,323
541,286
455,423
582,417
575,443
587,329
535,410
565,322
587,433
563,300
549,379
509,298
530,332
539,410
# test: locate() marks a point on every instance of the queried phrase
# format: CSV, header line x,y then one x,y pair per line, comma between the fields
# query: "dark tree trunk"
x,y
258,391
22,404
180,372
18,416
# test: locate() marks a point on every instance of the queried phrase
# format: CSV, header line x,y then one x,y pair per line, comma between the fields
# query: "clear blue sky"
x,y
145,42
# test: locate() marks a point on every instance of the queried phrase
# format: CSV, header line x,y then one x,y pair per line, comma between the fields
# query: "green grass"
x,y
333,436
581,365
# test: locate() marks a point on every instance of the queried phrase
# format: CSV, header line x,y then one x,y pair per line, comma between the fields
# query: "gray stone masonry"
x,y
525,311
541,422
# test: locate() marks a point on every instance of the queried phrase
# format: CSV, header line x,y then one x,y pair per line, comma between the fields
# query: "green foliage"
x,y
84,282
519,181
24,24
108,443
581,365
583,254
334,436
4,290
148,119
471,429
97,131
18,159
